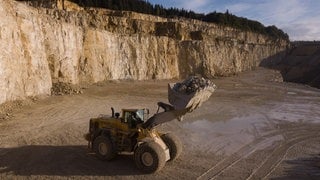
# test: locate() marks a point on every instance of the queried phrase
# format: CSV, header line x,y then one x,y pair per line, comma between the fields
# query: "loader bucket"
x,y
189,101
183,98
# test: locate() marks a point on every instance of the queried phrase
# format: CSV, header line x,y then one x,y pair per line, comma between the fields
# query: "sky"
x,y
300,19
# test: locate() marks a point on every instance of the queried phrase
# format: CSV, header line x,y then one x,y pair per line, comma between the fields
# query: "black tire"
x,y
174,144
104,148
150,157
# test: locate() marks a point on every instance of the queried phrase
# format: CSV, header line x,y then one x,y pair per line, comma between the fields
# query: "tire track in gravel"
x,y
42,121
276,157
279,153
296,134
234,158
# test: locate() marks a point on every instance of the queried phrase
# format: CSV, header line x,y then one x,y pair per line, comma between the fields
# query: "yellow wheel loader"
x,y
133,131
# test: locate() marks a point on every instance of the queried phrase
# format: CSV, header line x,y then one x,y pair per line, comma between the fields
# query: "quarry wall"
x,y
40,47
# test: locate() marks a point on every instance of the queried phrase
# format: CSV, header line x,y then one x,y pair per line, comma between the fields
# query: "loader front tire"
x,y
174,144
150,157
104,148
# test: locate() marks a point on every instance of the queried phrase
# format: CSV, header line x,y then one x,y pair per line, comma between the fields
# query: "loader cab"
x,y
133,117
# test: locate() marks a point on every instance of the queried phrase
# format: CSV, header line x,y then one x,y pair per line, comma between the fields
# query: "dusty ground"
x,y
253,127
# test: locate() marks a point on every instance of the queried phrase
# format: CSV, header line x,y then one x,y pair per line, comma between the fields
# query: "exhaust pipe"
x,y
112,112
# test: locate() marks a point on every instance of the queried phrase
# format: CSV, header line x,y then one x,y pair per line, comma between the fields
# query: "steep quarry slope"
x,y
41,47
302,64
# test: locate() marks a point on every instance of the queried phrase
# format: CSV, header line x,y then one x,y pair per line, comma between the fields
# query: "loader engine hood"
x,y
184,97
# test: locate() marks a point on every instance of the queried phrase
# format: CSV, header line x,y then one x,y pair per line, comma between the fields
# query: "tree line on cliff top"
x,y
143,6
226,19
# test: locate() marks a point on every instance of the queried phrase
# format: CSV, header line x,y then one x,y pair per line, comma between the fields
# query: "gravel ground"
x,y
252,127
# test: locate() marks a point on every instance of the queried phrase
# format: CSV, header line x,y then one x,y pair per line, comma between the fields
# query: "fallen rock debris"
x,y
61,88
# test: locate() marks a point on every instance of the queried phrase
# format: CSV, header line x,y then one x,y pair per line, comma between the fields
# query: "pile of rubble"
x,y
193,84
61,88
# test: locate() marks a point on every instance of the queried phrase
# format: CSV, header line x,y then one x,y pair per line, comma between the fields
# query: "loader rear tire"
x,y
174,144
150,157
104,148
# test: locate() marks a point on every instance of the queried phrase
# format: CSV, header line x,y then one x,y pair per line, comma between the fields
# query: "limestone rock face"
x,y
39,47
24,67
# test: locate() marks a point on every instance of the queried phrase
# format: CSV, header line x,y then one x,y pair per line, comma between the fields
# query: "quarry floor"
x,y
253,127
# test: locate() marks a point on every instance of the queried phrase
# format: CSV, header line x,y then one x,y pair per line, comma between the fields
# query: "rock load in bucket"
x,y
190,93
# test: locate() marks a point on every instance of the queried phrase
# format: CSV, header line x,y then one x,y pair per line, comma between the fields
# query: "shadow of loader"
x,y
62,161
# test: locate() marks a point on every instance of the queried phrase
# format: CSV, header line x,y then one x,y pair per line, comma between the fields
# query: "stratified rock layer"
x,y
41,47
